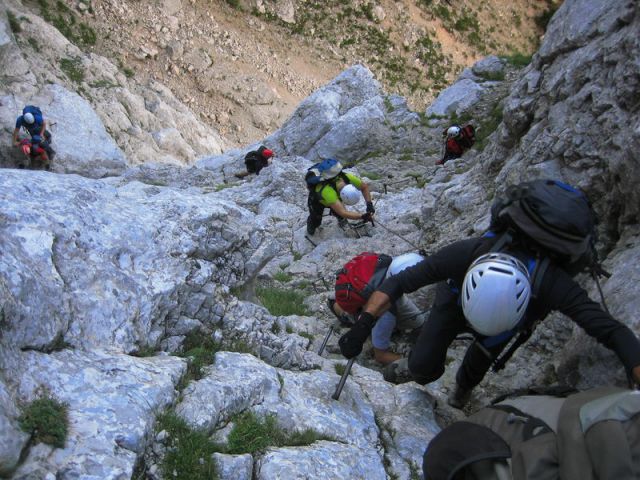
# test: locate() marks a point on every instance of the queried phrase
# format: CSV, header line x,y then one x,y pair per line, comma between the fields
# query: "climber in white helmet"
x,y
331,187
490,295
33,123
457,140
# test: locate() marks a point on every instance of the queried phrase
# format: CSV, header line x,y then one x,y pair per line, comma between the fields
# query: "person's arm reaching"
x,y
566,296
339,209
364,188
16,138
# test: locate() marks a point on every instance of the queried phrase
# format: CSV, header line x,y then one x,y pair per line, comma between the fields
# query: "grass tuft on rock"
x,y
280,301
47,420
252,434
189,450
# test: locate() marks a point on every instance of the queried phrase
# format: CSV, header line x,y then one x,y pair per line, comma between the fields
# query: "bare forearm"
x,y
365,192
377,304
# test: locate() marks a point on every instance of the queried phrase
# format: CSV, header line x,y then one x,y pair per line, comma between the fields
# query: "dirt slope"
x,y
244,65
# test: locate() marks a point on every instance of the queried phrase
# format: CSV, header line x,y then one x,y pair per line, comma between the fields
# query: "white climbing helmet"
x,y
349,195
28,117
495,293
453,131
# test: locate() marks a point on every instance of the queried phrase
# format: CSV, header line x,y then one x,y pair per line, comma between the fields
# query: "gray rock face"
x,y
321,460
300,401
234,467
80,140
147,257
12,439
455,99
113,109
111,400
140,284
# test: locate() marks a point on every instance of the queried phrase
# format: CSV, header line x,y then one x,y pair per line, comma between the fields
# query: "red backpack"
x,y
359,278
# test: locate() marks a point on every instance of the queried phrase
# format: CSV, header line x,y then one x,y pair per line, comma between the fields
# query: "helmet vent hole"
x,y
500,270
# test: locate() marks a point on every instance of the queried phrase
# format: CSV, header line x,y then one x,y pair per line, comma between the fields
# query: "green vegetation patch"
x,y
488,126
280,301
252,434
73,68
65,20
283,277
517,59
200,349
14,23
47,420
189,456
340,368
543,18
371,175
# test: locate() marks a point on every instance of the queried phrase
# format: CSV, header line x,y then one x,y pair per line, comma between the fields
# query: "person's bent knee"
x,y
422,373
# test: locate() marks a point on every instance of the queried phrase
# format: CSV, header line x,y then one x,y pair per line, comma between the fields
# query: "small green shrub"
x,y
128,72
281,301
251,434
200,349
47,420
488,126
371,175
297,256
144,351
281,276
33,43
340,368
87,34
234,4
493,76
189,456
14,23
306,335
517,59
542,19
73,68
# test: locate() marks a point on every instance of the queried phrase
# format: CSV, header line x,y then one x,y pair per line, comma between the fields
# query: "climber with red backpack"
x,y
256,160
457,140
358,279
33,122
330,187
500,286
34,151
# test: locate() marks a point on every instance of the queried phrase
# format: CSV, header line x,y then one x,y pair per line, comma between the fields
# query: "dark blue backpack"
x,y
35,111
323,171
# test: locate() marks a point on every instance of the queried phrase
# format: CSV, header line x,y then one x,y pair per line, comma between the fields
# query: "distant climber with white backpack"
x,y
500,286
33,122
330,187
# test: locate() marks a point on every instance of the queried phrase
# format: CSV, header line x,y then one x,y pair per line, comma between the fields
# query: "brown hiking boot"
x,y
397,372
459,397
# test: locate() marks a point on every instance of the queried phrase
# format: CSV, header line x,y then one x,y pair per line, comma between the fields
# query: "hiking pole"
x,y
326,339
343,379
398,235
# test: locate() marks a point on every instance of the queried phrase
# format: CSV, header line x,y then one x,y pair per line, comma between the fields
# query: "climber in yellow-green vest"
x,y
330,187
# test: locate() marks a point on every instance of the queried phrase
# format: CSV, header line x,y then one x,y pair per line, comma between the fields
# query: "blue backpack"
x,y
323,171
35,111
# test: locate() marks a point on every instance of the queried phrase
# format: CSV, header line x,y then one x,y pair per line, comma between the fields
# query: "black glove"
x,y
351,342
367,217
370,208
